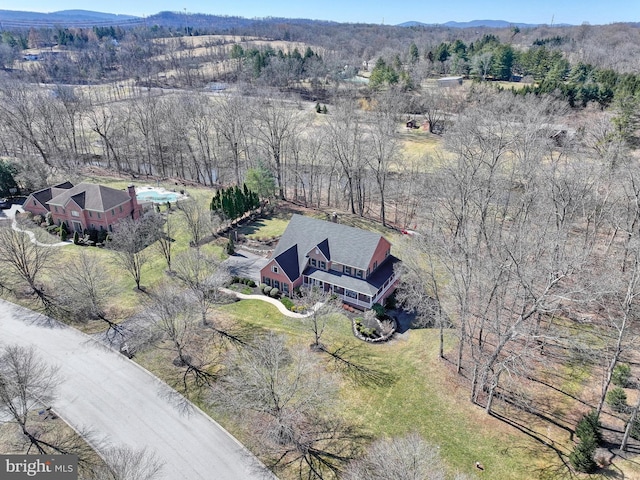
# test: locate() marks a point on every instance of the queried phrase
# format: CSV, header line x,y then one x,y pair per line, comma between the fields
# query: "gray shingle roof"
x,y
46,194
90,196
339,243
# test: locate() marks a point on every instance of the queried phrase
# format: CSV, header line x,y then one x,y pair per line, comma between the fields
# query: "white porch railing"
x,y
355,301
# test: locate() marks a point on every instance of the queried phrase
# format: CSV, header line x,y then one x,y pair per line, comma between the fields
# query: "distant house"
x,y
354,264
85,206
449,81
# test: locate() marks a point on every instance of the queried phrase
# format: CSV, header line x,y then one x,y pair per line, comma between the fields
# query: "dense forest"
x,y
521,184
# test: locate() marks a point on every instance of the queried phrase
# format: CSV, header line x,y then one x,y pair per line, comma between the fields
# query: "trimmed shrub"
x,y
617,399
379,310
63,232
76,238
391,302
621,375
286,301
235,279
251,283
274,293
266,289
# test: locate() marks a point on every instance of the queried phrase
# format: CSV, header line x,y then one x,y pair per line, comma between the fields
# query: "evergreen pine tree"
x,y
231,248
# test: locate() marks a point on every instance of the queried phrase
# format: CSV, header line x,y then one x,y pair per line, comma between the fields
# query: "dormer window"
x,y
323,265
314,262
274,269
347,270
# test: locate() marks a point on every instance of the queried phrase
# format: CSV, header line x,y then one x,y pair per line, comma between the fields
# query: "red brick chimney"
x,y
135,208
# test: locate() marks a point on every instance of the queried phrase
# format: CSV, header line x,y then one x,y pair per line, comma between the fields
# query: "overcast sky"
x,y
366,11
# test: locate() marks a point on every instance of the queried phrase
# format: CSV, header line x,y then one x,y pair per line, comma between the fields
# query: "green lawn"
x,y
419,397
266,228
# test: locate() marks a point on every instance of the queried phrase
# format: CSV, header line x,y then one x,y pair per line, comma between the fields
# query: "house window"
x,y
313,262
74,213
347,270
113,211
34,203
276,284
375,264
274,269
98,216
285,287
55,208
350,293
120,208
323,265
90,214
266,281
359,273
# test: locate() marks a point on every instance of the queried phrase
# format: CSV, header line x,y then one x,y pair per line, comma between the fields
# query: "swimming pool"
x,y
157,197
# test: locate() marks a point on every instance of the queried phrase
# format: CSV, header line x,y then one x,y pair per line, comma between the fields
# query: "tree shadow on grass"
x,y
355,362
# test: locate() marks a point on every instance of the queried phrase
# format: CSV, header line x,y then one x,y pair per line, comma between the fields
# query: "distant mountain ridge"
x,y
17,19
475,24
88,18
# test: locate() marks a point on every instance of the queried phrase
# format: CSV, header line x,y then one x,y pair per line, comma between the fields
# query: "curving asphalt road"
x,y
123,404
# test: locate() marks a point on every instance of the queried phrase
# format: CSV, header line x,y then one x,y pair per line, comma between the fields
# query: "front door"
x,y
77,226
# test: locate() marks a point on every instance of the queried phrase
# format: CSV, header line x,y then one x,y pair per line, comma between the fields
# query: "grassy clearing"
x,y
419,143
266,228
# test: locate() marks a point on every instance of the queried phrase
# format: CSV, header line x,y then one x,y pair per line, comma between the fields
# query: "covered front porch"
x,y
356,292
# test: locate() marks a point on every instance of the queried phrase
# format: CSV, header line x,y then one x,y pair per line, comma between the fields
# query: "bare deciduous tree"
x,y
322,310
129,241
22,264
27,384
198,218
276,121
88,287
126,463
203,276
287,399
399,458
175,316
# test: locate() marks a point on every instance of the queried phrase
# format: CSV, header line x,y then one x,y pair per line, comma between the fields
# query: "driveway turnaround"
x,y
246,264
122,404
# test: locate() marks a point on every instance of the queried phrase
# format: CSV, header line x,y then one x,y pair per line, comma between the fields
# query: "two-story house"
x,y
354,264
85,206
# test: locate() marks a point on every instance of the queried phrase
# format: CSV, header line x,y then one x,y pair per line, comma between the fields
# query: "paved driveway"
x,y
246,264
126,405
